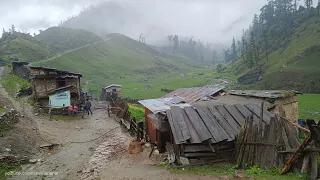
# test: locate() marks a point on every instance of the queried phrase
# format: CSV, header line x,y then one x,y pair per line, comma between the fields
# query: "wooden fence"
x,y
137,128
257,146
120,109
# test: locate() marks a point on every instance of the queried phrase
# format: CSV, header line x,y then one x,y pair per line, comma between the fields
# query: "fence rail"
x,y
120,108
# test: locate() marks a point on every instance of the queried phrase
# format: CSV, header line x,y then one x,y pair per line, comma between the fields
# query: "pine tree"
x,y
266,44
13,29
214,56
308,3
233,50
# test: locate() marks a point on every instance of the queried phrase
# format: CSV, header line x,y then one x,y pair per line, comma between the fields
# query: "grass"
x,y
60,39
7,168
13,83
137,111
309,106
225,169
139,68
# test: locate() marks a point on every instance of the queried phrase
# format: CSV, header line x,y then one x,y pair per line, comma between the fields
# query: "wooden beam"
x,y
261,118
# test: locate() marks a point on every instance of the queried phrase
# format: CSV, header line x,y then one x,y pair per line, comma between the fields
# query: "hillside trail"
x,y
71,50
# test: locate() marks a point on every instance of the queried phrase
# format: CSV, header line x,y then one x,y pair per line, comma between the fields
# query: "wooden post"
x,y
314,165
261,117
305,164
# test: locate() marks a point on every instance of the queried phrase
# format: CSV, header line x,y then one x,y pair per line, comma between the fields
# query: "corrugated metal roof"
x,y
194,125
263,93
113,85
160,105
195,94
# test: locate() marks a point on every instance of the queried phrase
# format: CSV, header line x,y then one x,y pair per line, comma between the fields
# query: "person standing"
x,y
88,107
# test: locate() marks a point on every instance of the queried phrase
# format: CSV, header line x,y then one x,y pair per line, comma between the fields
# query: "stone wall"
x,y
290,107
42,86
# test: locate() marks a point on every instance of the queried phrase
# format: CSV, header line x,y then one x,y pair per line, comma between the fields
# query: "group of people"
x,y
87,107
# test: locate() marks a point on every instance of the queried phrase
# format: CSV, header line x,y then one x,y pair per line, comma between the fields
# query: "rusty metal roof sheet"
x,y
274,94
195,94
161,105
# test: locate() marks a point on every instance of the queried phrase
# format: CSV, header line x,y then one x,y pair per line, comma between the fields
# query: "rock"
x,y
156,152
36,114
33,161
8,150
80,171
147,145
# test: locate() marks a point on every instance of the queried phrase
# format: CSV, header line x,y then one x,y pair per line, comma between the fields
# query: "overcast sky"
x,y
212,19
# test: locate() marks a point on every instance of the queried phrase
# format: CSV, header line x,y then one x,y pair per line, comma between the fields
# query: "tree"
x,y
233,50
266,44
254,49
318,7
296,5
308,3
170,39
175,43
219,68
214,56
13,29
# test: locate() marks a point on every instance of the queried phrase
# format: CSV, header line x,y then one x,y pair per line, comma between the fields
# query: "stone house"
x,y
47,80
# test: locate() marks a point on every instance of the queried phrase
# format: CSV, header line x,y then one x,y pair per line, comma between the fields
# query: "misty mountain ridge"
x,y
113,17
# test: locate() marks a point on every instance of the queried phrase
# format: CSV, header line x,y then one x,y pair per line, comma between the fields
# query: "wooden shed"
x,y
157,127
110,91
208,134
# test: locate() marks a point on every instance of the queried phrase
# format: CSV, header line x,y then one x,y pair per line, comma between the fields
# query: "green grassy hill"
x,y
60,39
141,69
296,66
23,47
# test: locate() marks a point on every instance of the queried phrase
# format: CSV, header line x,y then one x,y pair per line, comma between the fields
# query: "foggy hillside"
x,y
112,17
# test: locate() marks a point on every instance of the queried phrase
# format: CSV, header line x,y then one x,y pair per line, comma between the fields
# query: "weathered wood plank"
x,y
197,148
198,124
179,119
195,139
232,132
236,114
178,124
221,131
173,128
256,109
235,125
247,113
212,126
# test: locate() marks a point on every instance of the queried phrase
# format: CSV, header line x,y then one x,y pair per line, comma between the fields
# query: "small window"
x,y
114,90
61,83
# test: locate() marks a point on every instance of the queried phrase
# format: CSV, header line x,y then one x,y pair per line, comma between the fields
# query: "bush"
x,y
219,67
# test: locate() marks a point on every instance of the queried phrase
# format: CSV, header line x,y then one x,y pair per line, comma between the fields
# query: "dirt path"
x,y
91,148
